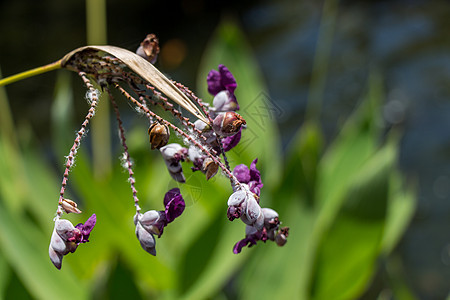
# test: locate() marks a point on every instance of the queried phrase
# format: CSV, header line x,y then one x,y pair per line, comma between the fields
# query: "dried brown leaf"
x,y
146,71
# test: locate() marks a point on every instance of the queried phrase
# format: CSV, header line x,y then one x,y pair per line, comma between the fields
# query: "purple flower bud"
x,y
228,124
251,176
174,203
270,217
153,222
242,173
221,80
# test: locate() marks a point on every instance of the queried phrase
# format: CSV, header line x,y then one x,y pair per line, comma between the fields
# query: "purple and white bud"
x,y
153,221
270,217
236,204
224,102
173,154
253,214
146,239
58,244
66,238
64,228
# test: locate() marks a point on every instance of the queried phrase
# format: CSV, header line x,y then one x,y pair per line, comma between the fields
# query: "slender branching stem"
x,y
127,158
76,144
30,73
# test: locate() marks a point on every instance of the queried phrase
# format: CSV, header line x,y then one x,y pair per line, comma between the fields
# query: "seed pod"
x,y
210,168
159,135
228,124
70,206
149,48
281,237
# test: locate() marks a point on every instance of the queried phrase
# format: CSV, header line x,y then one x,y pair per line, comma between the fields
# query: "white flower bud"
x,y
57,243
146,239
64,228
55,257
237,198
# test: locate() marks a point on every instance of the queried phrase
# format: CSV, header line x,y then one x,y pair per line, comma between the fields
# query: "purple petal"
x,y
255,187
242,243
174,203
86,228
230,142
214,84
227,79
171,195
242,173
255,175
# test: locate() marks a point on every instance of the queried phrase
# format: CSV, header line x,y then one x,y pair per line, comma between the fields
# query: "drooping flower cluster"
x,y
262,223
66,238
152,222
217,130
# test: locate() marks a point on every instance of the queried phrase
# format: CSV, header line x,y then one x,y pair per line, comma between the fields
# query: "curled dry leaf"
x,y
146,71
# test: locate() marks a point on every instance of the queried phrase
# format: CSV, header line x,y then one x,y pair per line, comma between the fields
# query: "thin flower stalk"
x,y
128,163
93,99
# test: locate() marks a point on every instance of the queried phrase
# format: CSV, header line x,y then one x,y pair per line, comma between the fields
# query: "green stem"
x,y
30,73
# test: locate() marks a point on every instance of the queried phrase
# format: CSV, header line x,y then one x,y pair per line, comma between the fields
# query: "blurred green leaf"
x,y
353,241
401,207
303,157
62,114
5,273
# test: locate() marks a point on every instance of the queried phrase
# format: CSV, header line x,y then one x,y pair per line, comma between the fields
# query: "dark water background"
x,y
407,42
